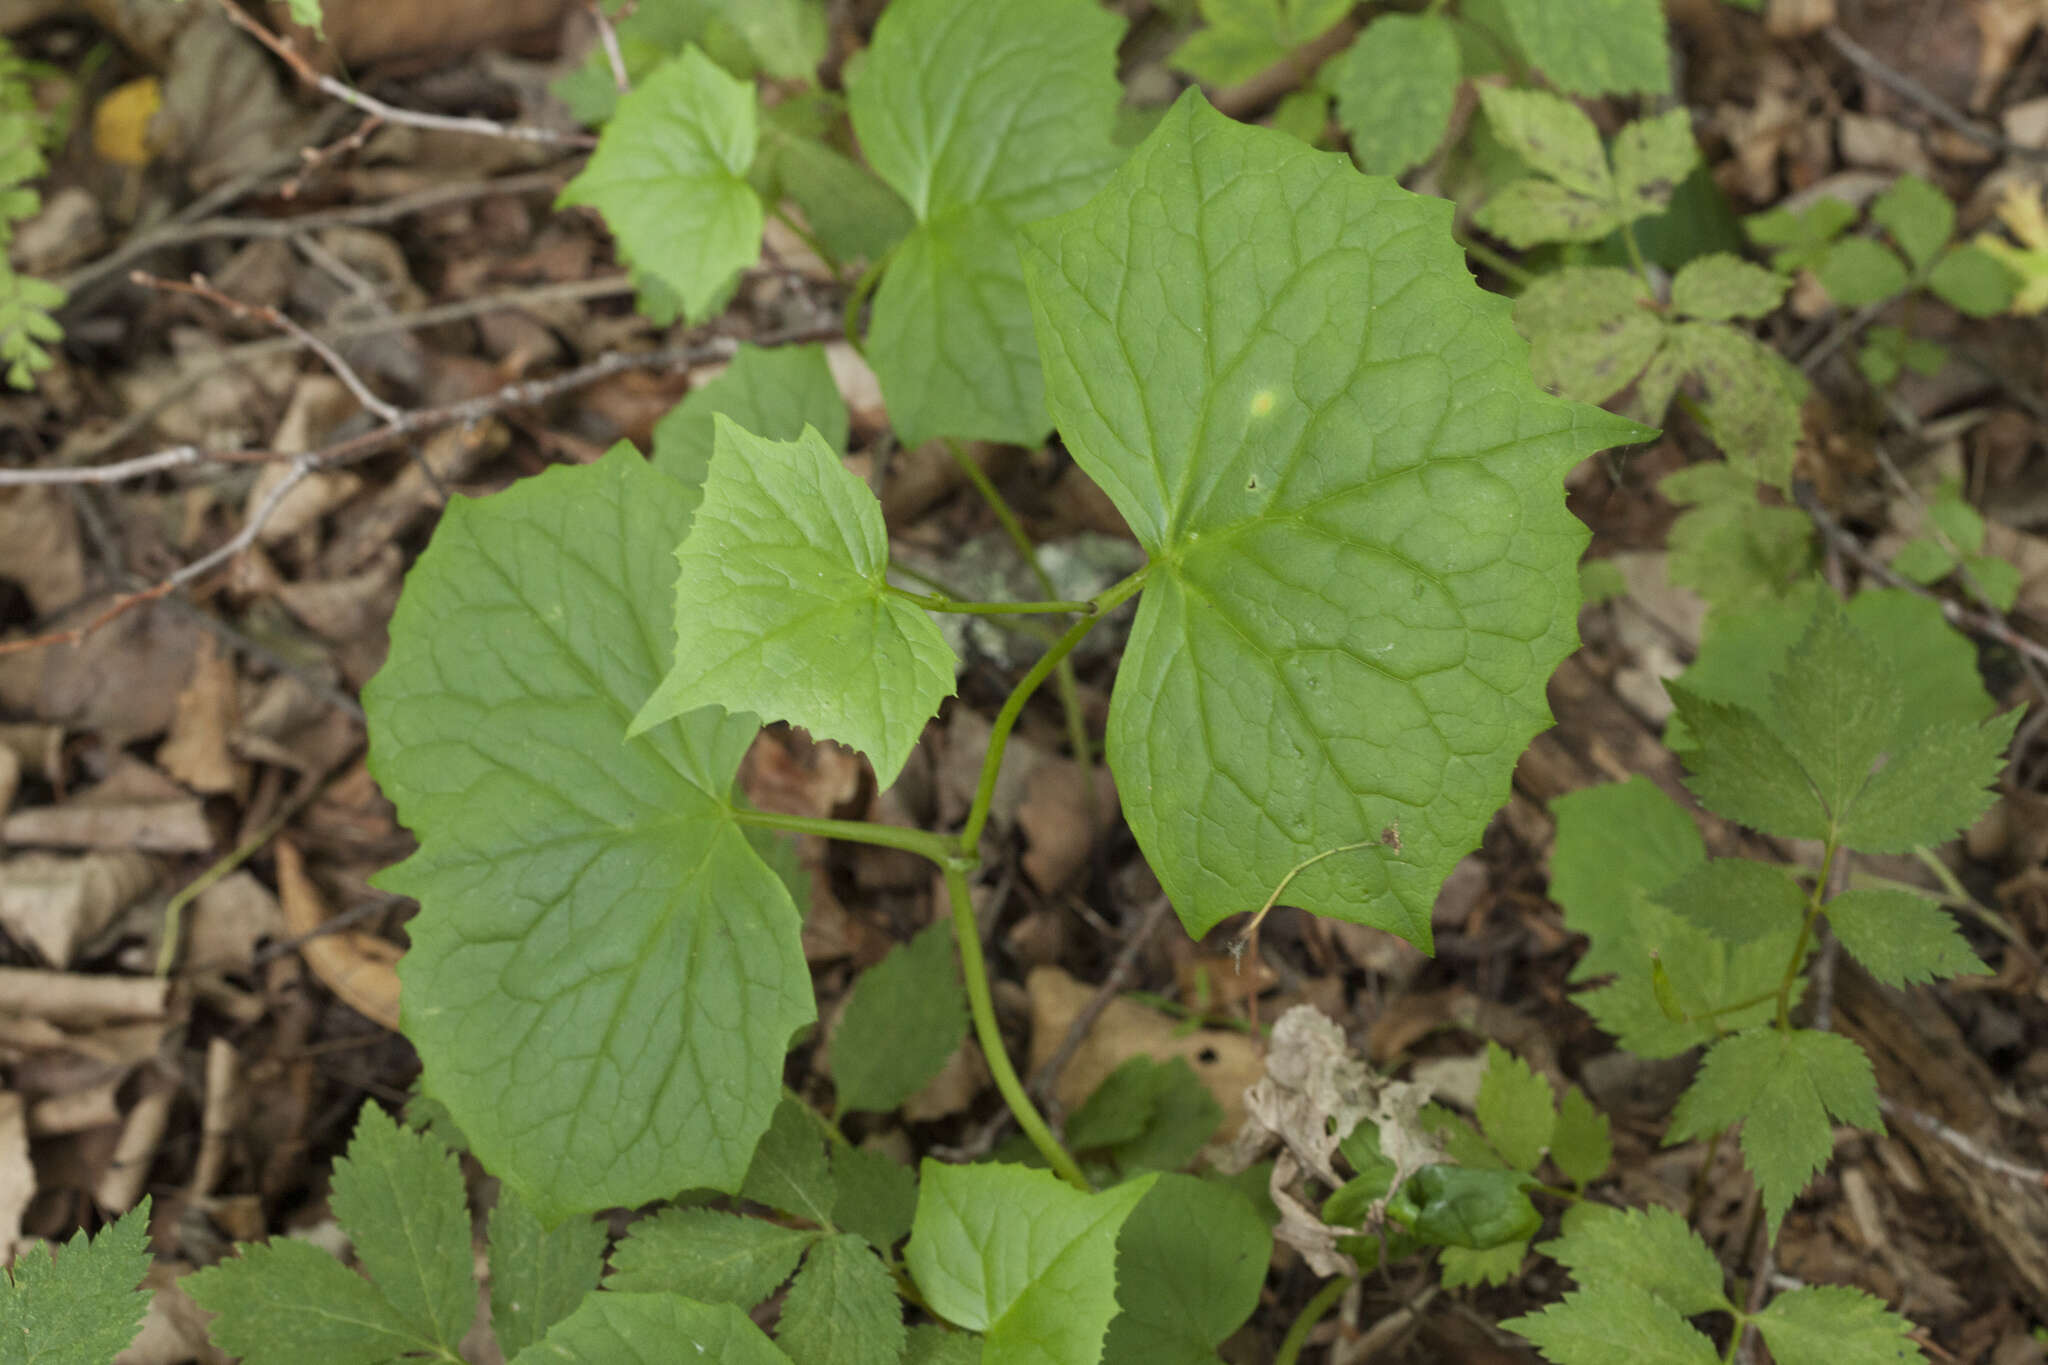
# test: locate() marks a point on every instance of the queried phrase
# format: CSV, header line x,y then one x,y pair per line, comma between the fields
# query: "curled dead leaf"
x,y
360,968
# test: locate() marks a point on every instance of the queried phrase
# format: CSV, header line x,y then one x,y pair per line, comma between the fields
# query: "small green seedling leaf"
x,y
1802,239
1515,1108
877,1195
1241,38
287,1301
1721,287
603,950
1742,770
983,117
1461,1206
1596,47
1737,900
1601,1325
1730,548
1190,1261
80,1306
1782,1086
904,1017
1835,1325
1146,1115
1901,938
854,216
706,1255
842,1308
1888,350
1268,427
1581,1144
773,393
1919,217
1750,396
1021,1257
1591,330
1304,114
670,177
1651,1251
1974,281
783,607
656,1329
1858,271
791,1170
538,1275
1396,87
1464,1268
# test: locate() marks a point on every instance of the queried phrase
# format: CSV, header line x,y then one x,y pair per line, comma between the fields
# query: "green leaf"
x,y
786,37
851,211
1833,1324
774,394
1147,1115
783,606
1647,1251
82,1307
842,1308
1740,555
1887,350
1802,239
877,1195
1577,202
1302,113
1464,1268
1737,900
285,1302
1836,706
670,177
1581,1145
1515,1108
1652,157
1602,1325
657,1329
1600,581
1190,1261
1782,1086
1856,271
603,951
983,117
1614,844
791,1170
904,1018
1919,217
1591,330
706,1255
1595,47
1244,37
538,1276
1721,286
1274,423
1395,88
306,12
1998,579
1742,770
1935,783
400,1197
1973,281
1020,1256
1750,396
1462,1206
1901,938
933,1344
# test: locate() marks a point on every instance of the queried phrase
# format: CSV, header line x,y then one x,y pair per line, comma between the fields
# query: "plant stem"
x,y
924,843
1037,630
956,605
1497,263
1635,257
804,235
1013,706
981,1004
1813,904
855,301
1069,686
1312,1313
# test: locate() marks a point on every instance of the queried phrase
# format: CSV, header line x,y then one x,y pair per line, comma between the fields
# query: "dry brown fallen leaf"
x,y
17,1174
56,902
1227,1062
196,750
360,968
40,549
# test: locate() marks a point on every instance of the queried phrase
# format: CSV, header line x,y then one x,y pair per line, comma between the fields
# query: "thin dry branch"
x,y
1969,1147
1912,91
391,113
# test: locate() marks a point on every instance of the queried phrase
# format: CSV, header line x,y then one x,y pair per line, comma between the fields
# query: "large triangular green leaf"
x,y
1363,572
1396,87
783,608
983,115
670,177
1595,47
775,393
1020,1256
604,975
1190,1261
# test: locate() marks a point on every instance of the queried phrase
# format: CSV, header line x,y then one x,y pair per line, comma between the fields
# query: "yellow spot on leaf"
x,y
1262,402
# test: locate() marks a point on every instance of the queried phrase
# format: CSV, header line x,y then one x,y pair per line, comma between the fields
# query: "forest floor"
x,y
186,765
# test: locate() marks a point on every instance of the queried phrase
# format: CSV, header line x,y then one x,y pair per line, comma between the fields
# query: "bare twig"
x,y
1904,86
1969,1147
391,113
1044,1078
198,287
120,471
608,39
316,157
